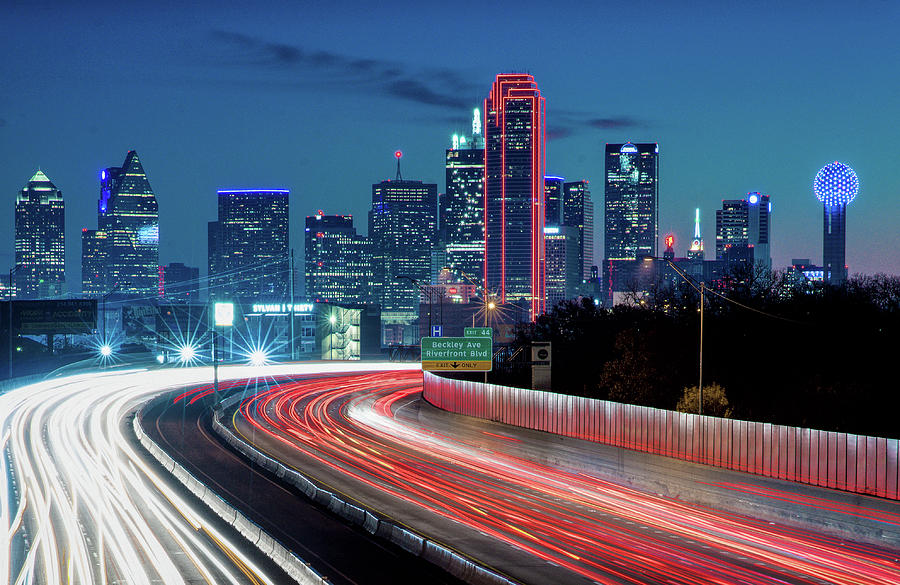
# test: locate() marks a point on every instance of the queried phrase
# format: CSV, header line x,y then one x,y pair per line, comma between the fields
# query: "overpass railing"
x,y
844,461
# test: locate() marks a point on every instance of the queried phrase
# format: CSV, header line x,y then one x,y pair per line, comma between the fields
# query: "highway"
x,y
505,496
81,502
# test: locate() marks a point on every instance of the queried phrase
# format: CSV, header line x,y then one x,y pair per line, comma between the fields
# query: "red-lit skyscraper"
x,y
514,130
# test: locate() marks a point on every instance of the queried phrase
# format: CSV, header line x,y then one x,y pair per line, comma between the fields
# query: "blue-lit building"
x,y
122,254
563,256
250,249
553,200
836,186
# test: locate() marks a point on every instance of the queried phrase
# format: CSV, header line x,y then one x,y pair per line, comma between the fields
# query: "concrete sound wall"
x,y
854,463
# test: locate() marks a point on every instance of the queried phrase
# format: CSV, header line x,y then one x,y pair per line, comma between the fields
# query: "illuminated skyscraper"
x,y
631,219
743,230
836,186
122,255
252,240
40,239
462,207
632,201
403,230
338,260
578,212
553,200
93,263
514,131
561,245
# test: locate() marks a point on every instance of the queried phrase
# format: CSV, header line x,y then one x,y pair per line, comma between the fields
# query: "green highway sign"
x,y
457,353
479,332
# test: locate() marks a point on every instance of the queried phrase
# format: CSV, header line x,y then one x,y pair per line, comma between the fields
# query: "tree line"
x,y
779,350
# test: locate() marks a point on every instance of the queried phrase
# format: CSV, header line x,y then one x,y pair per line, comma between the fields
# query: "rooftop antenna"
x,y
398,155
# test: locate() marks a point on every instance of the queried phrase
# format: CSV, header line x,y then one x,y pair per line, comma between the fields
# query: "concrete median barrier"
x,y
382,528
298,569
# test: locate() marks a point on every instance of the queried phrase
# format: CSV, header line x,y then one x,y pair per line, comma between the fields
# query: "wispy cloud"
x,y
432,87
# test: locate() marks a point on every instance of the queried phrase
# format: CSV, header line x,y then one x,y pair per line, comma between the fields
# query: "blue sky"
x,y
316,97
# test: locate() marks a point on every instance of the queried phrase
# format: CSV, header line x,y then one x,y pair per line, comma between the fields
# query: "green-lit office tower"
x,y
40,240
462,207
631,220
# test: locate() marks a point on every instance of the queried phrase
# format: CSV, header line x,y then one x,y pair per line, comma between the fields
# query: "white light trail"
x,y
93,509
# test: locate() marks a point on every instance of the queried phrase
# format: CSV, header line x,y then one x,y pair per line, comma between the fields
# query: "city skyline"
x,y
763,131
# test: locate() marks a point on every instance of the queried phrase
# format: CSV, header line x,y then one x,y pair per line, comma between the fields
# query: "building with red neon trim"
x,y
514,135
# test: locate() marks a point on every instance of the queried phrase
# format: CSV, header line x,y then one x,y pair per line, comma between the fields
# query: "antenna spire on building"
x,y
398,155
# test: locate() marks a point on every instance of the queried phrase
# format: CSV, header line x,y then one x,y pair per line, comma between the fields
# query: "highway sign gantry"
x,y
460,354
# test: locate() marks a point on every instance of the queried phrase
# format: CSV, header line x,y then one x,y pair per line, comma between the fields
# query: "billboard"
x,y
71,316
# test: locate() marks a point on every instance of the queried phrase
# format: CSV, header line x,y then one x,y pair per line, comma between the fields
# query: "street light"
x,y
224,317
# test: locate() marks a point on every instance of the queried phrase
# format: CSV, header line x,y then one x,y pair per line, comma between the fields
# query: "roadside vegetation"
x,y
775,351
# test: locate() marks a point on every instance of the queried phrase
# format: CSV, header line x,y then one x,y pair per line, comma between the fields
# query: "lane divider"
x,y
290,563
421,546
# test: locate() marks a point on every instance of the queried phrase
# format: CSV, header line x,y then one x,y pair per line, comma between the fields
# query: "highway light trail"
x,y
92,509
599,530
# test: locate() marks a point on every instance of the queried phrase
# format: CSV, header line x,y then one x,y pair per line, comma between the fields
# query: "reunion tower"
x,y
836,185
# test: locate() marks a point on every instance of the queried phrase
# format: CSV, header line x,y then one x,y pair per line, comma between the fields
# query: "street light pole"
x,y
700,383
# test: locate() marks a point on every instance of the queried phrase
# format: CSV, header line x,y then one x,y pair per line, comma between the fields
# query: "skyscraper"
x,y
578,212
40,239
836,186
93,263
514,129
562,251
553,200
743,230
128,215
252,240
338,260
403,230
732,226
632,201
462,207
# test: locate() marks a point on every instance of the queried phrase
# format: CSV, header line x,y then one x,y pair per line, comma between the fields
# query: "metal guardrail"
x,y
854,463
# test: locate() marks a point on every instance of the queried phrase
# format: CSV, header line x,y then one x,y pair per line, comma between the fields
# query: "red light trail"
x,y
594,528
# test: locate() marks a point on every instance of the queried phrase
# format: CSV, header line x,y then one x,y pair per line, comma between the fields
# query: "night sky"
x,y
316,97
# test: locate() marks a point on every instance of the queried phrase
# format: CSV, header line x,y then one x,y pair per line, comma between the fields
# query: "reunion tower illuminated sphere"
x,y
836,185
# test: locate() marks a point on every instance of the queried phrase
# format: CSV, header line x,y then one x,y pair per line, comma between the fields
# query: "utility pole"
x,y
700,383
292,304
